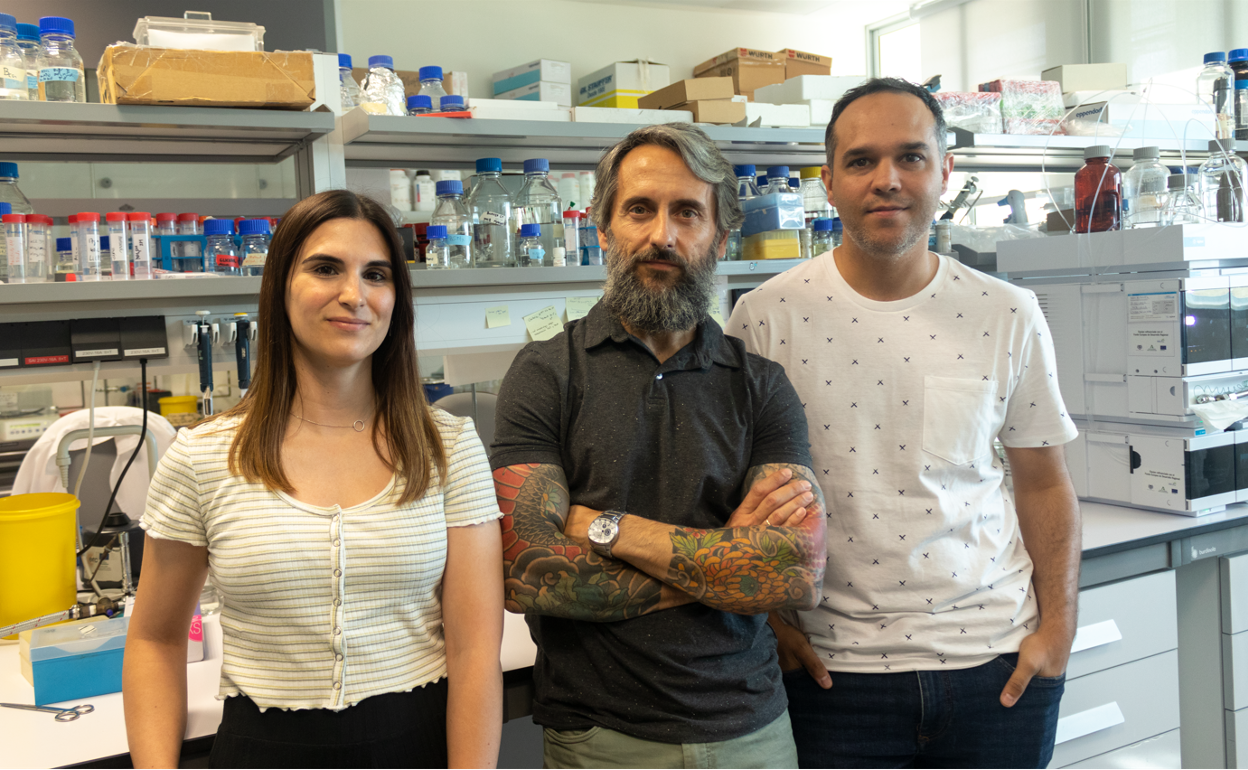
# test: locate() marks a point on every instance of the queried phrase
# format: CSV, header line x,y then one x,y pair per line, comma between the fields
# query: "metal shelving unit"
x,y
1061,154
381,141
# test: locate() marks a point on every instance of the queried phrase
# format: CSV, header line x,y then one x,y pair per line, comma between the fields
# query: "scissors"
x,y
62,715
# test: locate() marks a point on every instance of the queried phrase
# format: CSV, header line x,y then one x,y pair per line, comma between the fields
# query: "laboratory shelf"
x,y
1062,154
382,141
165,290
49,131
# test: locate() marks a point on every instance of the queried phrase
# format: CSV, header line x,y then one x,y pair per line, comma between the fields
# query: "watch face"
x,y
602,531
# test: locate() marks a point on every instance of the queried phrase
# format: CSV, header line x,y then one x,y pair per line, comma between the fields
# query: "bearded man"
x,y
657,491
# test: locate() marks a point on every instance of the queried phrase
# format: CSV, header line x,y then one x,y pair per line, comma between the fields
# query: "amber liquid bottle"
x,y
1098,192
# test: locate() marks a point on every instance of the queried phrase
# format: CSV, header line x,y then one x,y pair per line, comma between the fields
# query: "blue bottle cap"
x,y
1215,56
451,103
430,73
420,100
489,164
435,231
381,61
746,170
57,25
533,165
253,227
218,227
795,183
449,187
5,208
8,168
530,231
8,22
28,32
1241,85
822,225
64,244
781,171
344,60
1238,54
104,243
836,225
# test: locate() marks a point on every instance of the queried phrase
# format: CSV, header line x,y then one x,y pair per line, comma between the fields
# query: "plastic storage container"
x,y
532,252
1241,109
65,262
591,250
13,84
348,89
139,231
572,237
61,74
1215,86
453,215
37,555
38,253
255,249
1182,201
431,84
15,245
437,252
89,245
815,203
426,191
118,245
1144,189
220,256
1098,192
28,42
821,236
1222,178
198,30
187,255
538,203
490,209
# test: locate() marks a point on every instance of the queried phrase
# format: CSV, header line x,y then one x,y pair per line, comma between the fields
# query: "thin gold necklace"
x,y
357,426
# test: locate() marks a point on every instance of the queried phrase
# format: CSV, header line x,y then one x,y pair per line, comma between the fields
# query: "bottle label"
x,y
37,249
537,255
14,78
139,247
32,82
91,249
456,239
17,250
117,247
558,256
255,259
59,74
492,218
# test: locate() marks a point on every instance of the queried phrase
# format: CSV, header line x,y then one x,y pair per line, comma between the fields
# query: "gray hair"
x,y
698,152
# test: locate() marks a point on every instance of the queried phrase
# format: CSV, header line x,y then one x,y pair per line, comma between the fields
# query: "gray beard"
x,y
674,308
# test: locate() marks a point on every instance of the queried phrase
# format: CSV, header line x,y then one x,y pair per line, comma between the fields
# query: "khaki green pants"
x,y
771,746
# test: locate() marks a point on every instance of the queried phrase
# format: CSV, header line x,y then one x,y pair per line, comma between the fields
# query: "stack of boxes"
x,y
543,80
621,84
708,100
751,69
817,93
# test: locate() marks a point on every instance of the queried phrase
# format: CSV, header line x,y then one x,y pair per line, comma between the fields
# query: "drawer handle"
x,y
1088,722
1095,635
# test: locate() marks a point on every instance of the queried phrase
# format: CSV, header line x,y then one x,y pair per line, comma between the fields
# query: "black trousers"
x,y
402,729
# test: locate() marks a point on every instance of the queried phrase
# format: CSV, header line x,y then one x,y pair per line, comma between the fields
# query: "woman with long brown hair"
x,y
349,527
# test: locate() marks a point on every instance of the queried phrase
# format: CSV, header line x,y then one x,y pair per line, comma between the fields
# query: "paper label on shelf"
x,y
8,400
492,218
715,312
1159,306
38,360
100,352
1151,342
9,362
458,239
59,74
578,307
144,351
497,316
544,323
255,259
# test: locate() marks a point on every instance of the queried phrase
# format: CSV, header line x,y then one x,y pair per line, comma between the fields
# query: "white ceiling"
x,y
793,7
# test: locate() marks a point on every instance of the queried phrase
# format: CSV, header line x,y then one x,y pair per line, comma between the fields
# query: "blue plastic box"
x,y
75,660
777,211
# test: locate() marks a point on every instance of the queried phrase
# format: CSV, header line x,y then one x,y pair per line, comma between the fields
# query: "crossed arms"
x,y
750,566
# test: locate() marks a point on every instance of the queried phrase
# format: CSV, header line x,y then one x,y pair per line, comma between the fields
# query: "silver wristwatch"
x,y
604,531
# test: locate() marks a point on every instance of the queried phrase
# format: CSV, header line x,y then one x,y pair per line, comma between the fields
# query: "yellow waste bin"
x,y
37,555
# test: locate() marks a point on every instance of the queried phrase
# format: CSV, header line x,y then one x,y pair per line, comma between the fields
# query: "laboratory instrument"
x,y
61,74
1144,189
437,252
220,255
490,207
1215,87
62,715
431,84
255,248
1098,192
538,203
1221,183
28,42
531,251
453,215
13,86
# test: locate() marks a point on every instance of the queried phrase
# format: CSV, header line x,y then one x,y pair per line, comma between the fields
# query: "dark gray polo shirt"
x,y
671,442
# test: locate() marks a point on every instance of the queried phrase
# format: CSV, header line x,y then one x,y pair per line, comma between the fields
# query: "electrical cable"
x,y
142,435
86,459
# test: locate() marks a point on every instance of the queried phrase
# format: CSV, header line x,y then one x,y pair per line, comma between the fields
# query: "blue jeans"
x,y
924,718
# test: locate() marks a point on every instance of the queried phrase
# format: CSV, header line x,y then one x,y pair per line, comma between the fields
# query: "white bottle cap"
x,y
559,256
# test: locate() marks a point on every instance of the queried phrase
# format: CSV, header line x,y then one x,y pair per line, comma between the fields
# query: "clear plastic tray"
x,y
198,31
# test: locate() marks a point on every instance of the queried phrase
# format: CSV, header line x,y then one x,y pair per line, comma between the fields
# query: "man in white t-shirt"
x,y
949,603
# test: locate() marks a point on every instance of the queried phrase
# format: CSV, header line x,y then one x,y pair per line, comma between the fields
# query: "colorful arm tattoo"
x,y
748,570
544,572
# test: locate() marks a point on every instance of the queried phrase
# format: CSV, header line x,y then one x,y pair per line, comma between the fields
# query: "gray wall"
x,y
289,25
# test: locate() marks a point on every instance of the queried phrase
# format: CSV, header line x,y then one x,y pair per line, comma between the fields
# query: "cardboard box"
x,y
1088,77
541,91
547,70
1054,224
798,63
776,115
270,80
518,109
715,111
631,117
749,69
620,84
692,90
797,90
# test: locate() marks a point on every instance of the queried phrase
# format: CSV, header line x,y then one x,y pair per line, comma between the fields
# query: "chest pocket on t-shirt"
x,y
958,418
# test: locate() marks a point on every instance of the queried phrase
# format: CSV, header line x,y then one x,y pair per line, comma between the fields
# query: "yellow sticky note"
x,y
497,316
544,323
578,307
715,312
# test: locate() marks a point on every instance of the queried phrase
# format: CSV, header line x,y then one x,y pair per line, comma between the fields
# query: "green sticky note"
x,y
578,307
715,311
497,316
544,323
